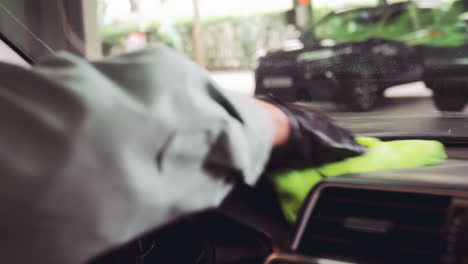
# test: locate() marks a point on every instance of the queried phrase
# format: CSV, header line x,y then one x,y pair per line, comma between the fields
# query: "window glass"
x,y
377,54
8,55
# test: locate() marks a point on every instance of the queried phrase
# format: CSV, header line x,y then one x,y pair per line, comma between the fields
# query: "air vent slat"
x,y
394,238
409,228
376,226
409,216
374,247
418,207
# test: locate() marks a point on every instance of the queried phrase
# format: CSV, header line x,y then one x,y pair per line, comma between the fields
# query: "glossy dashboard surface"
x,y
449,128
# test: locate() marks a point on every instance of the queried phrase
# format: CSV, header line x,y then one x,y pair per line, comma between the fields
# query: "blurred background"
x,y
229,37
342,56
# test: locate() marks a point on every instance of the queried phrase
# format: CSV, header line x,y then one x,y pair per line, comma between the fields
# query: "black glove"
x,y
315,140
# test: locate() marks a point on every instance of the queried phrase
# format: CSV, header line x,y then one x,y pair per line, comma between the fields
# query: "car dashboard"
x,y
403,216
399,216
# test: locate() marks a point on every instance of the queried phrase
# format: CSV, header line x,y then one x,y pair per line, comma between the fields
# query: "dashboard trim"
x,y
316,192
300,259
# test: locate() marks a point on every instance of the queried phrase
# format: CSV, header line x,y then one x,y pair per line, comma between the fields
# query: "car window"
x,y
8,55
427,17
454,11
42,27
349,26
401,21
395,14
329,26
357,57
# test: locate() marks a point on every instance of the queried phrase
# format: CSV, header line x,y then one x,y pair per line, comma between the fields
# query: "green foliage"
x,y
415,26
230,41
112,35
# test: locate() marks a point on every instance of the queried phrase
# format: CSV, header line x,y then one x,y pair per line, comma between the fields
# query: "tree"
x,y
197,35
102,6
134,6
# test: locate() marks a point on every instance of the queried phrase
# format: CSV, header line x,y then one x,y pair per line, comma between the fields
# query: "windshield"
x,y
343,57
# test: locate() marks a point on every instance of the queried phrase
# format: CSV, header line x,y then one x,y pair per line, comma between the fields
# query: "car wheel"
x,y
362,94
449,98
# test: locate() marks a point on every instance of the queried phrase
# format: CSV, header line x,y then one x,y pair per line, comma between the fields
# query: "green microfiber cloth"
x,y
293,186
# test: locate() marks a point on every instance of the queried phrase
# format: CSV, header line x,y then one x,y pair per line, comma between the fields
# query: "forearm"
x,y
281,124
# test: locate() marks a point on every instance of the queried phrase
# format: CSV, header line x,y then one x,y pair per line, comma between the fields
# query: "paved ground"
x,y
412,98
238,81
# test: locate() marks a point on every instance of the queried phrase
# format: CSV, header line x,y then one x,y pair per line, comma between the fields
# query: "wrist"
x,y
281,124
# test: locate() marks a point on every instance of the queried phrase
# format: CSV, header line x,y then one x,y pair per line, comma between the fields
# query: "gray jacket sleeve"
x,y
94,154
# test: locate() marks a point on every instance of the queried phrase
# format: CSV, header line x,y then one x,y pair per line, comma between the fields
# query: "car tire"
x,y
449,98
361,94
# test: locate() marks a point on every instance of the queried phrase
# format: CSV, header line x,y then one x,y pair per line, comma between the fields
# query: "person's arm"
x,y
305,138
96,154
281,124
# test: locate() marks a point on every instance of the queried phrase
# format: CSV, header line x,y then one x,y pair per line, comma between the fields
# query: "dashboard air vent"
x,y
369,226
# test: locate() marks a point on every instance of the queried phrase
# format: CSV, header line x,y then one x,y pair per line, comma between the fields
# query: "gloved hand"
x,y
293,186
314,140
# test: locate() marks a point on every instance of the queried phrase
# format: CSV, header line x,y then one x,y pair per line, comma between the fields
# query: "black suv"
x,y
355,73
445,58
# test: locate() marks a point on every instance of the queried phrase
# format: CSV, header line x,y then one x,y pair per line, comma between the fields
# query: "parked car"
x,y
350,57
445,58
